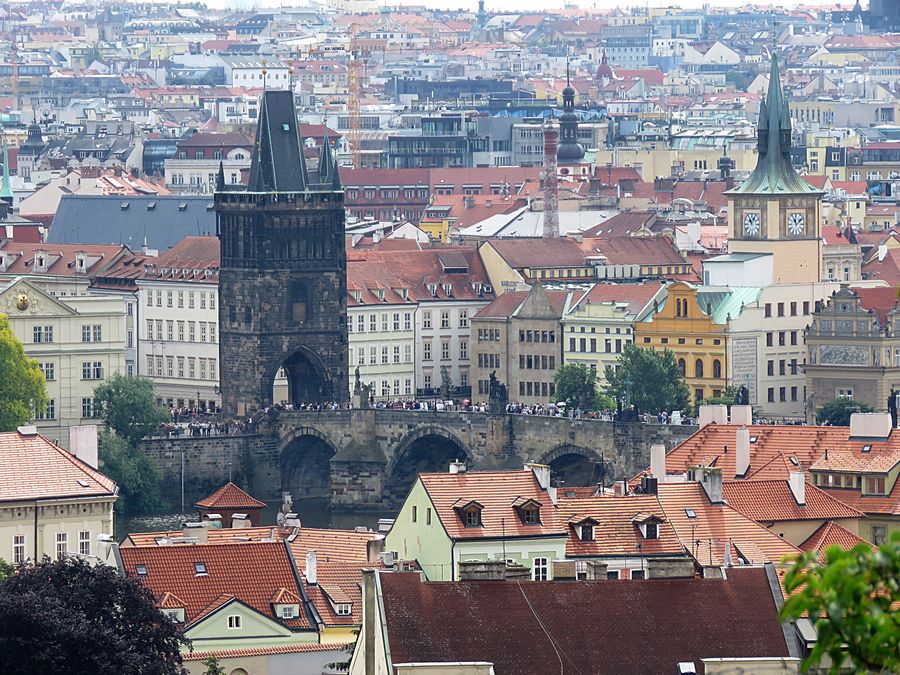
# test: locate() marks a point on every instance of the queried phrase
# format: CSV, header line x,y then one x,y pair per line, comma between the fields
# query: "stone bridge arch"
x,y
573,465
304,456
426,448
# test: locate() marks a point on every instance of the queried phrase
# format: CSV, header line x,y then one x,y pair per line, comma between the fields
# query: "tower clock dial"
x,y
751,224
796,223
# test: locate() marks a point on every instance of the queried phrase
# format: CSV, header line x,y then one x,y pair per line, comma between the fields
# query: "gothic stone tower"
x,y
775,211
282,281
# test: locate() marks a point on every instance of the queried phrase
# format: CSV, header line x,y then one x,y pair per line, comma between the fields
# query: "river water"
x,y
312,512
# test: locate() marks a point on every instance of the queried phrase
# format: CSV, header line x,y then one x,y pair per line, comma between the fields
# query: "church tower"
x,y
775,211
570,150
282,280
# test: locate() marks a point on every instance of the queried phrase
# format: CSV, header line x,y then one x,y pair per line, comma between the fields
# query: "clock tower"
x,y
774,210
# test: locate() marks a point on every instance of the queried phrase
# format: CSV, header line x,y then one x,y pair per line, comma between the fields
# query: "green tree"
x,y
68,616
837,411
851,599
648,379
128,407
21,381
212,666
6,570
135,473
576,384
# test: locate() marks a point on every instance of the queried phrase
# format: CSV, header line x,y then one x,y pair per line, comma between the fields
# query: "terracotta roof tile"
x,y
772,500
616,534
296,648
646,626
832,534
251,572
36,468
504,306
230,497
715,528
495,491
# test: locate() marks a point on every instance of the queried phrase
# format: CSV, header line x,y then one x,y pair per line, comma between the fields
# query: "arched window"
x,y
698,368
717,368
683,366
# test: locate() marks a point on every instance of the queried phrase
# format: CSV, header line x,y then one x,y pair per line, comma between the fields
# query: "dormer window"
x,y
651,531
287,612
648,524
587,532
343,609
584,527
470,514
529,511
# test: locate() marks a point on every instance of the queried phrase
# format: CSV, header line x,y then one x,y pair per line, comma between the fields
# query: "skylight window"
x,y
83,483
200,569
690,513
141,570
867,448
753,439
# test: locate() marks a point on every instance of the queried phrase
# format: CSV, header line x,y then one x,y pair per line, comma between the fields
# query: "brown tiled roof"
x,y
622,224
230,497
596,627
634,250
872,504
337,582
331,545
519,252
616,534
225,535
504,306
772,500
716,527
251,572
832,534
203,139
495,491
62,258
36,468
864,456
878,300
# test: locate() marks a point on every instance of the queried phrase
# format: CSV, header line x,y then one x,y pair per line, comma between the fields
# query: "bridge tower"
x,y
282,281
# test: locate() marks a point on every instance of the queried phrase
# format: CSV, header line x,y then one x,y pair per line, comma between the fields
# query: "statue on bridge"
x,y
362,393
446,383
497,395
742,397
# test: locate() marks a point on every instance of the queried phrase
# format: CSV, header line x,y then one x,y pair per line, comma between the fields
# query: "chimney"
x,y
882,251
741,414
742,454
541,472
564,570
670,568
311,568
213,521
658,461
797,483
595,570
491,570
291,520
83,443
870,425
239,521
457,467
196,531
711,480
713,414
619,488
649,485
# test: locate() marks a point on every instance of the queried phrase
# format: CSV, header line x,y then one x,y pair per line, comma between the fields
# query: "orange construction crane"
x,y
353,95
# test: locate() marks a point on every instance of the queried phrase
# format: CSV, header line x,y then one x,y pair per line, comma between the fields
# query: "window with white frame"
x,y
234,621
84,542
62,544
540,570
19,549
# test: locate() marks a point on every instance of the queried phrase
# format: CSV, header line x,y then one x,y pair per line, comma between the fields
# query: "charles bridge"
x,y
368,458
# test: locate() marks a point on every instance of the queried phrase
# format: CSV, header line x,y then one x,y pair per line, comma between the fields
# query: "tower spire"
x,y
6,189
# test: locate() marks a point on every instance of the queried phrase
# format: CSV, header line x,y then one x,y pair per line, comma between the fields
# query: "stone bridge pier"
x,y
369,458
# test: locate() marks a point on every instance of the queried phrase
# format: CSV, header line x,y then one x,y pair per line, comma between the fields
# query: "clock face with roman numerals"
x,y
751,224
796,223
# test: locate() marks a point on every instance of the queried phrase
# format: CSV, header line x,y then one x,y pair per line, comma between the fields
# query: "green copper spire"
x,y
6,189
774,173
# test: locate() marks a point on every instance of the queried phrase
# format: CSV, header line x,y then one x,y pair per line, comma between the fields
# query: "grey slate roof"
x,y
104,219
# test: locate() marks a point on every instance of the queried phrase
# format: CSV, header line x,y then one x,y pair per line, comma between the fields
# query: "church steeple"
x,y
278,164
774,172
6,193
570,150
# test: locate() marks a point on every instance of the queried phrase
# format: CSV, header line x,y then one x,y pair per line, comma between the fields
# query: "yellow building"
x,y
684,326
775,211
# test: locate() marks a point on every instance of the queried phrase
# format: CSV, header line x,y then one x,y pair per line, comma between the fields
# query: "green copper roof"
x,y
6,188
774,174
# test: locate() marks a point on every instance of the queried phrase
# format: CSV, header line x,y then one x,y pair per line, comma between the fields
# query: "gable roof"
x,y
772,500
252,572
36,468
511,303
496,491
230,496
831,534
528,628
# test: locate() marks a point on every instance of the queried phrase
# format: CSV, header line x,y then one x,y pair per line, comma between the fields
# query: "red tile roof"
x,y
507,304
616,533
637,296
36,468
716,528
295,648
714,445
879,300
590,626
61,258
832,534
495,491
772,500
230,497
622,224
251,572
